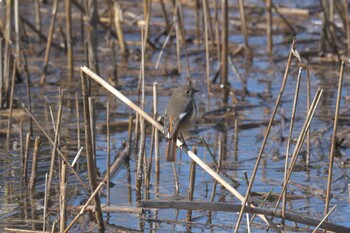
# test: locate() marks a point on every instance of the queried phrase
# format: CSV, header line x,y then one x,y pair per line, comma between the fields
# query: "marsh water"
x,y
241,141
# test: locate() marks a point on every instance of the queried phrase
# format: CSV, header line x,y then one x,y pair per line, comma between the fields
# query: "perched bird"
x,y
179,117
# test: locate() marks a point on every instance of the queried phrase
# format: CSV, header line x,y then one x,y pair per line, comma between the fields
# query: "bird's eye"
x,y
188,91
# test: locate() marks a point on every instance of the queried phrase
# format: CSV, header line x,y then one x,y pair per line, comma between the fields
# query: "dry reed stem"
x,y
176,179
108,161
52,143
115,166
267,132
92,197
25,159
219,164
183,147
37,15
91,162
55,142
118,27
228,207
324,219
300,141
290,134
244,29
269,33
206,42
77,111
49,40
77,156
91,12
13,230
156,132
29,96
17,33
334,138
7,63
224,51
115,209
45,203
91,101
32,179
9,121
70,60
1,73
308,136
62,197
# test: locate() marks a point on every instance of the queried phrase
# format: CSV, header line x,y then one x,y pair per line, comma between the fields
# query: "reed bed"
x,y
83,85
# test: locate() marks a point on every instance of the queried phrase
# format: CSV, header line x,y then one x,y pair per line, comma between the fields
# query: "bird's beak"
x,y
196,91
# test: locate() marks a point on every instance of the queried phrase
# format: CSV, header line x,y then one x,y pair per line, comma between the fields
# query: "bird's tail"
x,y
171,150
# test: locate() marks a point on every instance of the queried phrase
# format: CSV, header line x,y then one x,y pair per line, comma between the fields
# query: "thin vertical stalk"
x,y
197,16
224,50
29,96
119,29
191,186
269,41
92,35
8,26
9,122
217,31
114,64
25,159
108,162
45,203
32,179
91,163
77,111
63,185
55,143
291,126
212,196
70,65
346,7
49,40
1,73
244,28
7,71
92,125
334,138
267,132
37,16
206,41
308,136
164,13
156,132
17,33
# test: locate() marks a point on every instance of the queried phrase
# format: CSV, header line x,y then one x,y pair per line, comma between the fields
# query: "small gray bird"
x,y
179,117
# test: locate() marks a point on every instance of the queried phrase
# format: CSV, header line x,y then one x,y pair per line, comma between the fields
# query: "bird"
x,y
179,117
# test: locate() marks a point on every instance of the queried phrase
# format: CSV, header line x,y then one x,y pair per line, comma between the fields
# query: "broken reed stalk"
x,y
267,132
183,147
9,122
69,40
114,64
92,197
108,161
91,163
164,44
32,179
21,139
52,143
141,157
217,31
244,28
55,143
269,41
7,67
62,201
290,135
25,159
49,40
8,25
118,27
229,207
334,138
224,51
91,12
